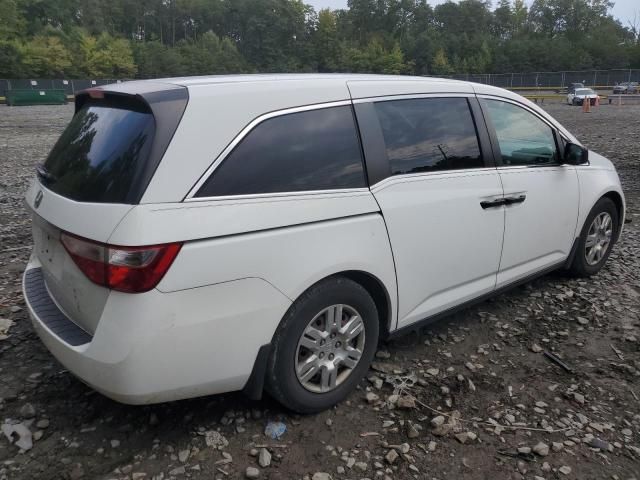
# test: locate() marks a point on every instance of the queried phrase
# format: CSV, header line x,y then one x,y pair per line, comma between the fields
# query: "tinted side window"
x,y
523,138
313,150
429,134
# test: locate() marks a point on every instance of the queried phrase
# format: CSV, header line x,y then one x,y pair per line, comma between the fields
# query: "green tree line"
x,y
152,38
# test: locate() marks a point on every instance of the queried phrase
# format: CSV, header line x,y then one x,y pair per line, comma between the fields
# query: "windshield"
x,y
101,155
585,91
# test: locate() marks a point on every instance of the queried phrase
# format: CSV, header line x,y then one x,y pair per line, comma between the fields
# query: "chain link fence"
x,y
69,86
530,80
554,80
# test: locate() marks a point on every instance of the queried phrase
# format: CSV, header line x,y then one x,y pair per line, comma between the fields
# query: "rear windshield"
x,y
101,155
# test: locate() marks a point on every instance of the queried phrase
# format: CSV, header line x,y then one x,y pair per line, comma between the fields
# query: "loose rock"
x,y
541,449
252,472
264,458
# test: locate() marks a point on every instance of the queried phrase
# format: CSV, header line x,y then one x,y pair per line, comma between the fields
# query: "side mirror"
x,y
575,154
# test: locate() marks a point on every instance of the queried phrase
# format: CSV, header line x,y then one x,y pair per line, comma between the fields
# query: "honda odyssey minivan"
x,y
194,236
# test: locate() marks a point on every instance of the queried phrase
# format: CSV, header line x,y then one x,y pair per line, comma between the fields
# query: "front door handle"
x,y
498,202
514,200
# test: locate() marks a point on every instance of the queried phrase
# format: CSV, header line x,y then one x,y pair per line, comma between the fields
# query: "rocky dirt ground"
x,y
473,396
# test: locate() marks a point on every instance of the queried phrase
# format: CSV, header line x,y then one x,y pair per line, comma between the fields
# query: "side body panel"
x,y
542,194
446,246
539,232
289,241
291,258
596,180
193,220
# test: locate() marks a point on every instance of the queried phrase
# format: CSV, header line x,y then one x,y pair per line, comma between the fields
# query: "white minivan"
x,y
194,236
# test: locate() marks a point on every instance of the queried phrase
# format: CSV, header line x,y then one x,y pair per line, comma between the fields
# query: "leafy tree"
x,y
45,56
106,56
328,49
11,22
155,59
210,55
10,60
151,38
441,64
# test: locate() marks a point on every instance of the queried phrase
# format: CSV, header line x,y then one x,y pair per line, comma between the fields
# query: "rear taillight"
x,y
126,269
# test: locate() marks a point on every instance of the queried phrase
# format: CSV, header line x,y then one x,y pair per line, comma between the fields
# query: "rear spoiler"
x,y
166,102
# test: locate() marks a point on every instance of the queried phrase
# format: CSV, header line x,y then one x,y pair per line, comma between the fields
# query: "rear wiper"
x,y
44,174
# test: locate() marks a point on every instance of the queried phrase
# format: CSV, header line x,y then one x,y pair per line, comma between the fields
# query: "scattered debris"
x,y
18,434
252,472
214,439
264,458
541,449
5,325
275,430
556,360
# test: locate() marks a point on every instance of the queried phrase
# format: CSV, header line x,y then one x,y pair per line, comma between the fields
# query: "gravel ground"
x,y
472,397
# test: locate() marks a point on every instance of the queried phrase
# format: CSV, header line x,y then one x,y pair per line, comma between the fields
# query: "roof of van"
x,y
309,77
314,84
360,85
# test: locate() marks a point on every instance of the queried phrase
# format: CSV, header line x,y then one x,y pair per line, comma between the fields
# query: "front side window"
x,y
523,138
429,134
312,150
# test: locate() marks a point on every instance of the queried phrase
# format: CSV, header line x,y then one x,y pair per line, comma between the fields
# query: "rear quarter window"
x,y
102,154
310,150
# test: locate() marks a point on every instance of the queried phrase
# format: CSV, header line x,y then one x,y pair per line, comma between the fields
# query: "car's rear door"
x,y
541,194
431,170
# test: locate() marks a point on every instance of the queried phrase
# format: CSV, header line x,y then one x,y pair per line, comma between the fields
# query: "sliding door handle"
x,y
498,202
514,200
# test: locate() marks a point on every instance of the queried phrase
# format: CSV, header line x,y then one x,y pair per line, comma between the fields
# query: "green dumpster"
x,y
36,97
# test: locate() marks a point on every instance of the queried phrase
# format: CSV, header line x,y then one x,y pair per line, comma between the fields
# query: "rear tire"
x,y
313,362
597,238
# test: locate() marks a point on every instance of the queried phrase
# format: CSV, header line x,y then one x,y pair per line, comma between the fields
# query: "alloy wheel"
x,y
598,238
330,348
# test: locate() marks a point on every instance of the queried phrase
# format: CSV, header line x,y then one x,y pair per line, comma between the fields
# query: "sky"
x,y
623,10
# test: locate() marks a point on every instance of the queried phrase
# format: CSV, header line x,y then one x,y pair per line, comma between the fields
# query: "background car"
x,y
574,86
580,94
626,87
571,88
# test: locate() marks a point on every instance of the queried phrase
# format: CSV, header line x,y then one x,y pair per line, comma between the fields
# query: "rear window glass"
x,y
101,155
313,150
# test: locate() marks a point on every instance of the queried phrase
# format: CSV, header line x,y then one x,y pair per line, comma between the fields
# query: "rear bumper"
x,y
157,347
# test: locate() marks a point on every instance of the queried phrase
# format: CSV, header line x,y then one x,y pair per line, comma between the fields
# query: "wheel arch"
x,y
372,284
378,292
616,198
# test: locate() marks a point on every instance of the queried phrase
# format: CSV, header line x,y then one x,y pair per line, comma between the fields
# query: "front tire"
x,y
598,235
323,346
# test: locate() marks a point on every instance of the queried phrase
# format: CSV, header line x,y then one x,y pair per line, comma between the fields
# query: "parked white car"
x,y
578,97
201,235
